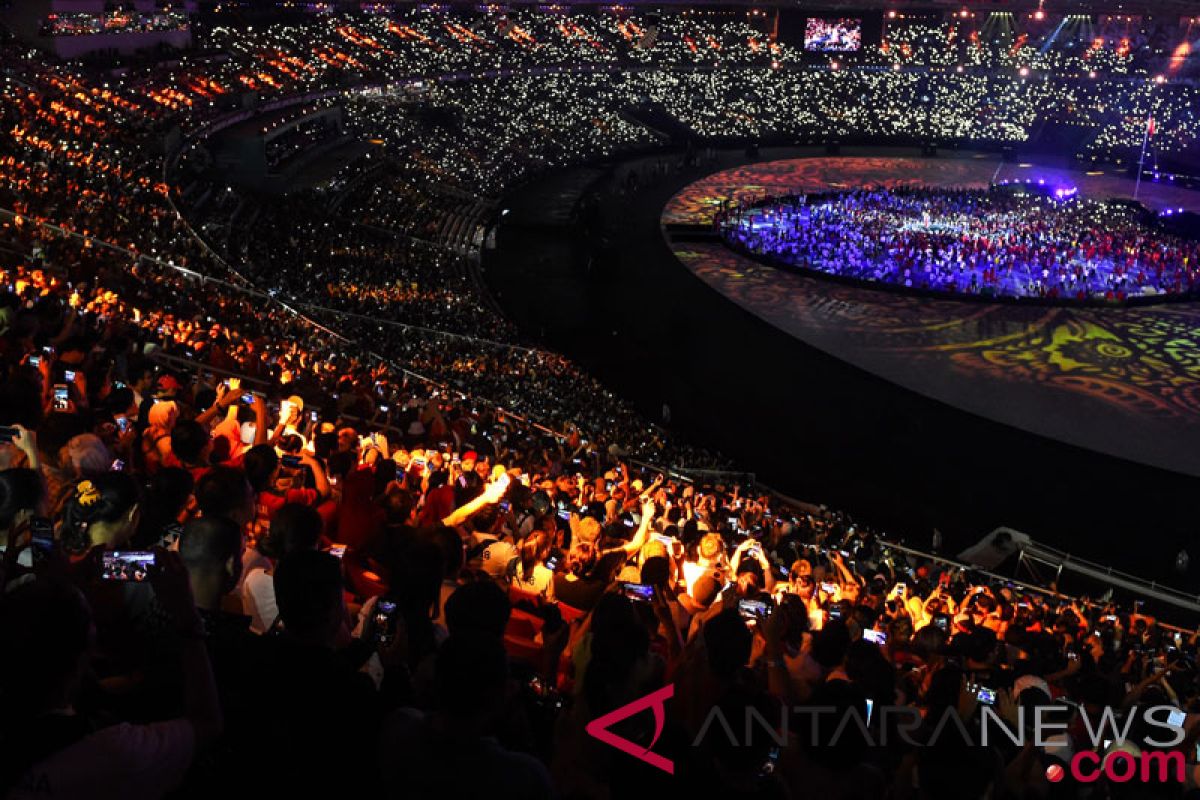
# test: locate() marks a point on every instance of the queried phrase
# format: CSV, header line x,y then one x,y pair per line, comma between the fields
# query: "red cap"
x,y
470,455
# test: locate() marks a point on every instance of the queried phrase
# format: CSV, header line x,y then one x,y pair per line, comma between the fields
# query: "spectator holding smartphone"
x,y
54,747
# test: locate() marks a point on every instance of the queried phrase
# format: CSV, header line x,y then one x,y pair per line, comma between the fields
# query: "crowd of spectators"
x,y
90,23
203,574
278,506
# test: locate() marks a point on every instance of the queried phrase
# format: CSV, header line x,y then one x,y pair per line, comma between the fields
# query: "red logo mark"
x,y
599,728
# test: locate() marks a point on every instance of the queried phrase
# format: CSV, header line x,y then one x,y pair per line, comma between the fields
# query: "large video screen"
x,y
825,35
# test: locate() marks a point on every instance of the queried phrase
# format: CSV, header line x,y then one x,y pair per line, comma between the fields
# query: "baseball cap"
x,y
167,384
496,558
1029,682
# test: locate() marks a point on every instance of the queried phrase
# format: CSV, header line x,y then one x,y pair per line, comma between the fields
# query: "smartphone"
x,y
829,588
126,565
752,610
41,534
117,465
505,506
290,461
876,637
870,709
783,572
385,409
313,415
69,375
123,424
337,550
985,695
385,625
552,563
61,397
835,611
565,514
248,398
942,621
1176,718
35,361
639,592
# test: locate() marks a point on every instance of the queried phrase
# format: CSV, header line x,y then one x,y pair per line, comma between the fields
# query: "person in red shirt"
x,y
191,447
359,518
264,469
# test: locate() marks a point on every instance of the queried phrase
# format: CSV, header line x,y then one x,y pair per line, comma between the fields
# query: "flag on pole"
x,y
1150,126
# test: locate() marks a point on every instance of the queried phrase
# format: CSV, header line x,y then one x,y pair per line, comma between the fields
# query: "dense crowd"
x,y
294,503
1005,241
116,22
204,574
723,76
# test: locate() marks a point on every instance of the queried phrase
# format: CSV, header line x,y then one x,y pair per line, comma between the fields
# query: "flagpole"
x,y
1137,187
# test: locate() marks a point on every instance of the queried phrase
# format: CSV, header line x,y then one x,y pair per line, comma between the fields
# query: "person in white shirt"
x,y
532,575
295,526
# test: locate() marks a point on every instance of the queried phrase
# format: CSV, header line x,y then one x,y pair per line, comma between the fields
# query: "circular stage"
x,y
1028,242
1123,381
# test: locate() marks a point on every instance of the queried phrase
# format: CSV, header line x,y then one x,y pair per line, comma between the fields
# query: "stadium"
x,y
599,400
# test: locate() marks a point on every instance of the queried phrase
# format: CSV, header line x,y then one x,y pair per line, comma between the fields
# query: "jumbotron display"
x,y
1014,241
842,35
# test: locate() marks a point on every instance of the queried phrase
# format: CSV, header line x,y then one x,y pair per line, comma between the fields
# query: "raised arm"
x,y
490,495
639,537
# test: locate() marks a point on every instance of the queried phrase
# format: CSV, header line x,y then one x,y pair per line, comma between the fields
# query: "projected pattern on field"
x,y
1122,381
